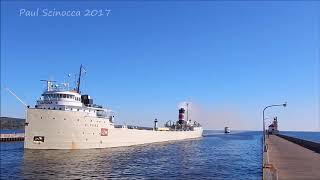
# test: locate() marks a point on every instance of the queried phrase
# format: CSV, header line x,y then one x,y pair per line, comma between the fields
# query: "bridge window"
x,y
64,96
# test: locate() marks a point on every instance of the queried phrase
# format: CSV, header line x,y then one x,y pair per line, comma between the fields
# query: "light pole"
x,y
264,128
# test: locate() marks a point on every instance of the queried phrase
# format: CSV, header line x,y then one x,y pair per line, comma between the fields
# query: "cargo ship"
x,y
63,118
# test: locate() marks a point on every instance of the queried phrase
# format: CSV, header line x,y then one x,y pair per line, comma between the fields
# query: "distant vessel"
x,y
226,130
65,119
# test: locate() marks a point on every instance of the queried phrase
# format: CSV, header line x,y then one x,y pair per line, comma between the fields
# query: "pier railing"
x,y
313,146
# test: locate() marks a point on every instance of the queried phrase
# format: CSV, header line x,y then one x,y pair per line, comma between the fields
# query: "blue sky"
x,y
230,59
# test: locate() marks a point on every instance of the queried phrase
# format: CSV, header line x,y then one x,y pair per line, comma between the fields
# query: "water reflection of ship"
x,y
108,163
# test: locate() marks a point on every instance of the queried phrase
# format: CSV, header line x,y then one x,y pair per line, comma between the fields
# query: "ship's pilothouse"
x,y
60,97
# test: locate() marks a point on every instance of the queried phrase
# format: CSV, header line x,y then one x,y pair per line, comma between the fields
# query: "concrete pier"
x,y
11,137
287,160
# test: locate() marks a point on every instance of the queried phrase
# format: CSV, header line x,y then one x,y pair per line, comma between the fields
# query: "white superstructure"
x,y
65,119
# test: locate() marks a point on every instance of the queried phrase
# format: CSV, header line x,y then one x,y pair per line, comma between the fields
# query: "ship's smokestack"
x,y
181,115
155,124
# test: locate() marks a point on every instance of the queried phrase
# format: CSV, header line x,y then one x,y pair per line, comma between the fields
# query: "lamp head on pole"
x,y
285,104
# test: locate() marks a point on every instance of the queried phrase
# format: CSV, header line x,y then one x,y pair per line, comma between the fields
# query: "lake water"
x,y
216,156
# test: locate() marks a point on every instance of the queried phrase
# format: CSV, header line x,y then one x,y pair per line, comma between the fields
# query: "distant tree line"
x,y
11,123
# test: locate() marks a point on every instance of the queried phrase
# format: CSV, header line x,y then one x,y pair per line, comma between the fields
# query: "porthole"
x,y
41,117
53,118
64,118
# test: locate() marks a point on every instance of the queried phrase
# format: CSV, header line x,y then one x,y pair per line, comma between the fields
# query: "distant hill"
x,y
11,123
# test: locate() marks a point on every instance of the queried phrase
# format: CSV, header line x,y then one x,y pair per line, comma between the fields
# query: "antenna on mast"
x,y
82,70
49,84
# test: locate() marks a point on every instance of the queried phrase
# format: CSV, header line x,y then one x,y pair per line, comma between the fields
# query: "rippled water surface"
x,y
215,156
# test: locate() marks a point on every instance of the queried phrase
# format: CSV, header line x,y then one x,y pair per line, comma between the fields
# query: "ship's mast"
x,y
79,78
187,112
